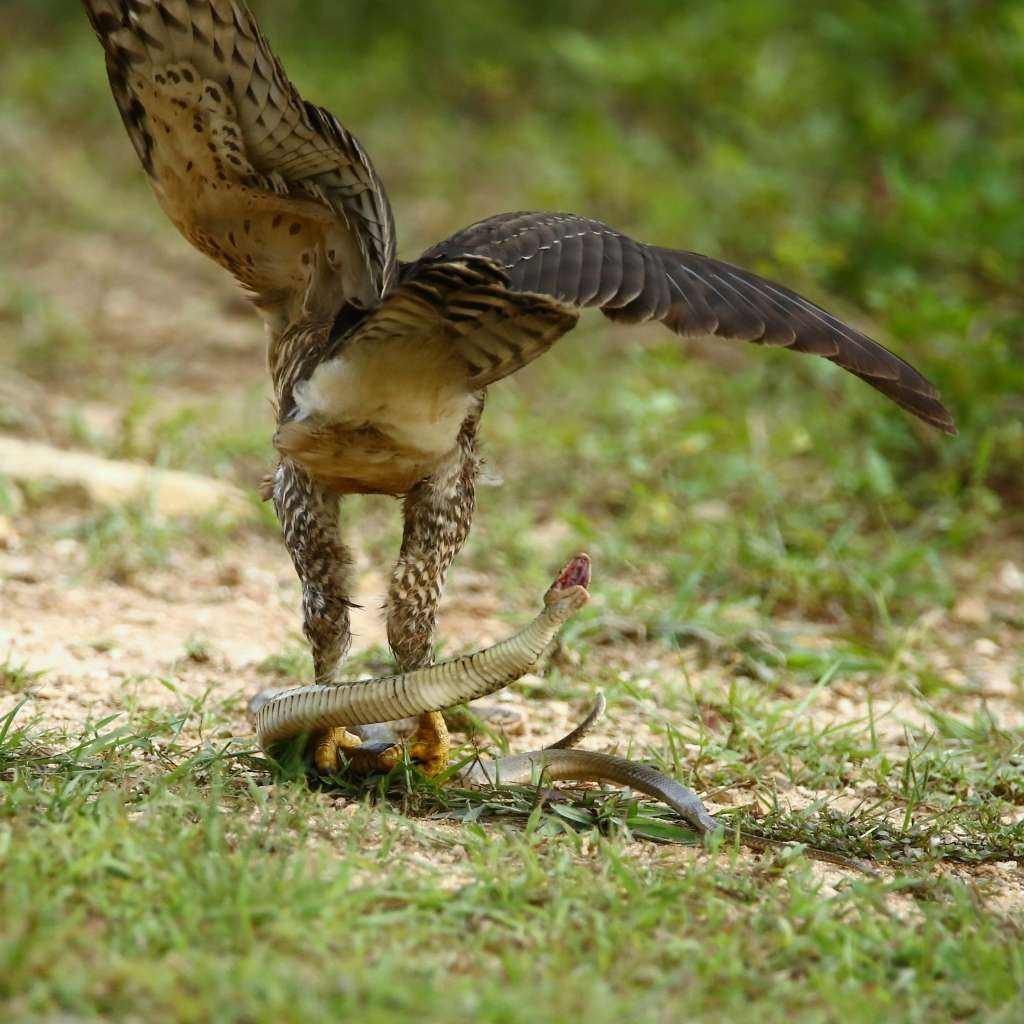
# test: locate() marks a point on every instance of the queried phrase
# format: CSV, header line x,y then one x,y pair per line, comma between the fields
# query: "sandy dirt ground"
x,y
203,627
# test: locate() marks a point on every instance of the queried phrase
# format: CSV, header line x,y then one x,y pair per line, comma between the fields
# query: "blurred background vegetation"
x,y
870,155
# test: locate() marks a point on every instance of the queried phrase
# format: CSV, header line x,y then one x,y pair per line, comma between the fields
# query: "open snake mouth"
x,y
575,574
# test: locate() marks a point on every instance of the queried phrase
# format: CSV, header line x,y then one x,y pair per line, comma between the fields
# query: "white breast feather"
x,y
413,390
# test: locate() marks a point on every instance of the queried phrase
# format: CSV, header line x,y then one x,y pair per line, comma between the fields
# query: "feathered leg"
x,y
438,514
308,513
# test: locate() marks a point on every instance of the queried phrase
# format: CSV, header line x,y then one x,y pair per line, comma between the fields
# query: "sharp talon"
x,y
431,760
329,745
430,745
372,758
375,757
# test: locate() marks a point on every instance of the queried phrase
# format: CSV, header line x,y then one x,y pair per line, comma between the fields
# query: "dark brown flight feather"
x,y
584,263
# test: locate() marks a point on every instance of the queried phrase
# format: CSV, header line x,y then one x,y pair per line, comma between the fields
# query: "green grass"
x,y
16,676
771,537
144,877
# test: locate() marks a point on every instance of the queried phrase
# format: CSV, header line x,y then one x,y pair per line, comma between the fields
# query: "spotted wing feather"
x,y
183,66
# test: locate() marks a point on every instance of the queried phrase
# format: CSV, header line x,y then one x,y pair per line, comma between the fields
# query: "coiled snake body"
x,y
288,713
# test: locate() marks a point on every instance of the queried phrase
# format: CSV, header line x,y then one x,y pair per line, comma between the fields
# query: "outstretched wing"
x,y
251,174
585,263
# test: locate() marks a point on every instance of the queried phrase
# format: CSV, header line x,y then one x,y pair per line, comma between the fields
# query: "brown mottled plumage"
x,y
249,172
379,367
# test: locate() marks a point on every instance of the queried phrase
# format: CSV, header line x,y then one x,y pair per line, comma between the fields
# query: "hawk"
x,y
380,367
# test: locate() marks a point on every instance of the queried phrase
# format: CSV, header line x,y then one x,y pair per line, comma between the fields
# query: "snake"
x,y
284,714
364,705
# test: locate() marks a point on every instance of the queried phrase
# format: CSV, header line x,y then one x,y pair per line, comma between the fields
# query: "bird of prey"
x,y
380,367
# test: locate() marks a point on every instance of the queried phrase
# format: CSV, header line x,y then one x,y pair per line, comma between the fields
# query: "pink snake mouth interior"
x,y
575,574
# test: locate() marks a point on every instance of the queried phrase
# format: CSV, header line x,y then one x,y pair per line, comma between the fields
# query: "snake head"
x,y
570,588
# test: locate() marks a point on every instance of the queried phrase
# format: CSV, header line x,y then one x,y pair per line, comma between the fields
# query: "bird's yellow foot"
x,y
327,747
429,746
338,748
